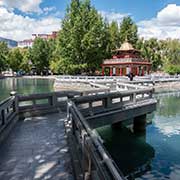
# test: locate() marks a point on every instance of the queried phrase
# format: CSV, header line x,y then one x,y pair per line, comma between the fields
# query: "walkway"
x,y
36,149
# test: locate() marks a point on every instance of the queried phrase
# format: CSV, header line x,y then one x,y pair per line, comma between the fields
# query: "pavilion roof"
x,y
126,46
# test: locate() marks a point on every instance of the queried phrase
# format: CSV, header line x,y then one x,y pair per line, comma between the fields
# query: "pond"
x,y
24,86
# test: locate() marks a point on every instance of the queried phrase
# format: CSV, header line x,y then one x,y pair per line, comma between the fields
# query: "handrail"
x,y
128,86
115,173
84,99
8,111
47,102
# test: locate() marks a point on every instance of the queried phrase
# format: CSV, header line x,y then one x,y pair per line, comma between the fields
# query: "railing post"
x,y
3,116
134,97
53,100
16,102
107,102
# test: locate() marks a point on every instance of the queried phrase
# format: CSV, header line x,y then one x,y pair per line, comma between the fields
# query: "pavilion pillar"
x,y
111,71
117,71
137,69
136,72
131,69
148,69
142,71
121,71
102,70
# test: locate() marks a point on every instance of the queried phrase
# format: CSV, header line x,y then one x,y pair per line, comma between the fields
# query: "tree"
x,y
15,59
26,61
115,40
171,56
39,55
3,56
151,50
128,31
82,43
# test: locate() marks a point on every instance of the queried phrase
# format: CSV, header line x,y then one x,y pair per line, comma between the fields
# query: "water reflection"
x,y
130,151
167,116
24,86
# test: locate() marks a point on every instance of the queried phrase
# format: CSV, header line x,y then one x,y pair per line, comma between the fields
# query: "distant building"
x,y
45,36
29,42
25,43
10,43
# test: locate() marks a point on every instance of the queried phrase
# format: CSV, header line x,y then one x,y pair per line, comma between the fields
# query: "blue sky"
x,y
155,18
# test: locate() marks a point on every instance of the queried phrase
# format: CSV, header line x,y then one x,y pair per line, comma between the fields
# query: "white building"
x,y
25,43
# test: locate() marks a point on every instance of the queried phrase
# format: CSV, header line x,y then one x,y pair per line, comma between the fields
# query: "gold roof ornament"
x,y
126,46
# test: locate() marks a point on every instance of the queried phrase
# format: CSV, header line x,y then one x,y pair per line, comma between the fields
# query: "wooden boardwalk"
x,y
36,149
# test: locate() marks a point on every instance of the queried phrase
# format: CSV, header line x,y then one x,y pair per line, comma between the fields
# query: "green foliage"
x,y
151,50
172,69
114,35
82,41
128,31
39,54
3,56
26,63
171,54
15,59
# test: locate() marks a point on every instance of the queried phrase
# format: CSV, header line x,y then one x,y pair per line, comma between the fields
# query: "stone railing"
x,y
120,86
90,105
87,78
96,163
8,115
36,104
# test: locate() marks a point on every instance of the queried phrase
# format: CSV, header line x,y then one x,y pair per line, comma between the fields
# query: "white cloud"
x,y
165,25
113,16
168,126
170,15
47,10
18,27
23,5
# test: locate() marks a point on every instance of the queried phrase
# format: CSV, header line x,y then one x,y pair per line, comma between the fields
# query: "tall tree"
x,y
3,56
26,63
82,41
15,59
128,31
115,40
39,54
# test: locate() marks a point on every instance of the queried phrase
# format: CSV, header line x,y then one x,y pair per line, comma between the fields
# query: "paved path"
x,y
36,149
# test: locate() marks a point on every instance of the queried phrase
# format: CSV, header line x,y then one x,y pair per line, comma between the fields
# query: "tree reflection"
x,y
130,151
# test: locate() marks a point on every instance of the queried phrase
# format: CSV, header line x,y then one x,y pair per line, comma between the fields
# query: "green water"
x,y
24,86
155,154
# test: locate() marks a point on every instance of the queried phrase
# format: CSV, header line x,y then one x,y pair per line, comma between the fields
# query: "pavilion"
x,y
126,60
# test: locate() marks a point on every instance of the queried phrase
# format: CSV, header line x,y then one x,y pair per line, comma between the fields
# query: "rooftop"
x,y
126,46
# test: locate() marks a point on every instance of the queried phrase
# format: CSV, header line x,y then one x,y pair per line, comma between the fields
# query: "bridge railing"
x,y
127,86
36,104
90,105
8,112
87,78
95,159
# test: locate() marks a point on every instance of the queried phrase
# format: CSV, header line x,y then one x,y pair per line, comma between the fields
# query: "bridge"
x,y
41,133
